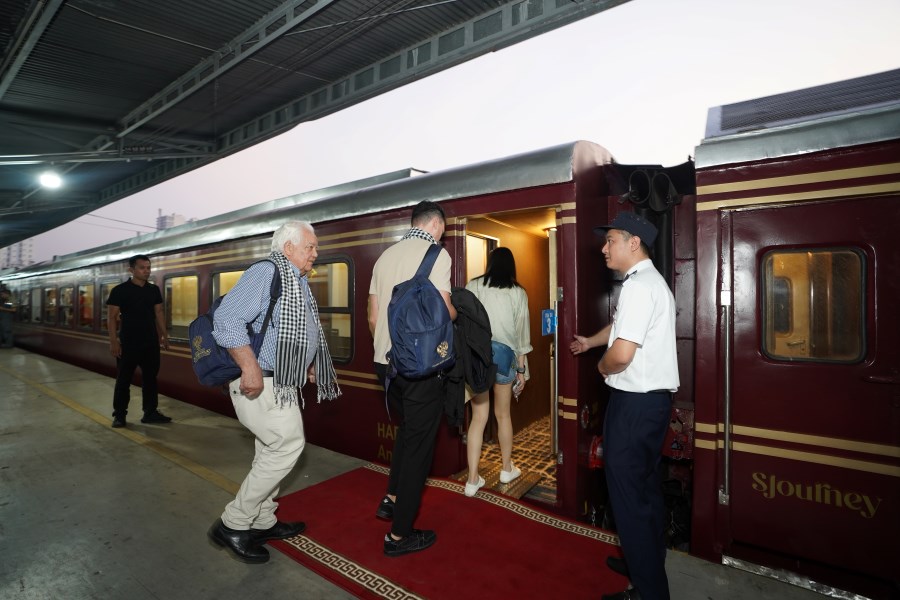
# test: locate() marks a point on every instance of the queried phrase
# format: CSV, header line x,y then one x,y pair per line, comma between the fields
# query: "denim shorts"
x,y
507,378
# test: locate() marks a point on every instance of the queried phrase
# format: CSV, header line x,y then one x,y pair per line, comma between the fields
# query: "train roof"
x,y
398,189
846,113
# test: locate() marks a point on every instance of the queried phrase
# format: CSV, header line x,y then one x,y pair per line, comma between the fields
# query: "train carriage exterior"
x,y
779,244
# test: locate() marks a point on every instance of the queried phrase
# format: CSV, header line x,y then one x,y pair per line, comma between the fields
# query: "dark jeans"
x,y
147,358
633,435
418,405
6,334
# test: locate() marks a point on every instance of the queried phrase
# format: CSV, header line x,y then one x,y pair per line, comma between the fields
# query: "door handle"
x,y
889,379
797,343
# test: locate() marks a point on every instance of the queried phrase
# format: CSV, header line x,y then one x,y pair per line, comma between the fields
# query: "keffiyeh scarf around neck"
x,y
293,340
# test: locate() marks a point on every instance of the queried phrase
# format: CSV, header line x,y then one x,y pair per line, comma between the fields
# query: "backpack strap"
x,y
428,261
274,294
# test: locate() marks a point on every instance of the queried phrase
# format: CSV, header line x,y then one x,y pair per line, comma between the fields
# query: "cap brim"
x,y
602,229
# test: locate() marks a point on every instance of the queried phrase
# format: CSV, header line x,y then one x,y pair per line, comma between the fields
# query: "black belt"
x,y
268,373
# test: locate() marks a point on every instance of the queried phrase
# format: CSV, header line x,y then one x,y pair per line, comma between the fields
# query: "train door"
x,y
814,465
528,234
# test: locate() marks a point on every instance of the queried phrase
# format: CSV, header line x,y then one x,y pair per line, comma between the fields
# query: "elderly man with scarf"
x,y
267,397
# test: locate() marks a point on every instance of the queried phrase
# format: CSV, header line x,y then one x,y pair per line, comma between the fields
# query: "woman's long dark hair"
x,y
501,269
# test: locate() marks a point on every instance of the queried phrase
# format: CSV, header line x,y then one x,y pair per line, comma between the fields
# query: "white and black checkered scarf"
x,y
415,232
292,342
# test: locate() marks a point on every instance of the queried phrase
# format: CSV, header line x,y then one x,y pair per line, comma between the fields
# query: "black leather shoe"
x,y
417,540
629,594
241,543
385,509
156,417
617,565
279,531
118,422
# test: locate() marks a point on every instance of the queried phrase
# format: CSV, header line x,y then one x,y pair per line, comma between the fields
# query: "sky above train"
x,y
637,79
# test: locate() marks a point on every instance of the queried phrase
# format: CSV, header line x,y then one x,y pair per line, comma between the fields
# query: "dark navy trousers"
x,y
147,357
633,435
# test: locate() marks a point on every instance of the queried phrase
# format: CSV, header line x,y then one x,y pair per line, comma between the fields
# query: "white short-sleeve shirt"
x,y
645,315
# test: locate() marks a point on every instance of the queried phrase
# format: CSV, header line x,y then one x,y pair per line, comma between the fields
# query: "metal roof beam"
x,y
512,22
28,36
248,43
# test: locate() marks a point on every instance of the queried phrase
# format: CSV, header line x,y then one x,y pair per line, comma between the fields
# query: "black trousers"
x,y
418,405
633,435
147,358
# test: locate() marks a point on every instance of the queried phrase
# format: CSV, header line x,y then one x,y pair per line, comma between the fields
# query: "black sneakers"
x,y
155,417
417,540
118,422
385,509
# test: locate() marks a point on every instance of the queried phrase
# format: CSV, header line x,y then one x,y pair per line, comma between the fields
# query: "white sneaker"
x,y
507,476
472,488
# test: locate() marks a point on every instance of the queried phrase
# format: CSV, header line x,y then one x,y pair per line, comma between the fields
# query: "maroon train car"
x,y
780,244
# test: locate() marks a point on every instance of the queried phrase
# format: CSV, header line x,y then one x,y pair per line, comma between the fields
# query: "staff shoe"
x,y
155,417
508,476
279,531
118,422
417,540
385,509
241,543
617,565
472,488
629,594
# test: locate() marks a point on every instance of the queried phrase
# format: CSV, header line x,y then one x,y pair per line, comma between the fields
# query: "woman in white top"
x,y
507,306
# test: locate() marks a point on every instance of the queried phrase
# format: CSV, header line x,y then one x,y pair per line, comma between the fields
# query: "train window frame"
x,y
50,304
37,308
768,333
61,306
349,310
104,297
168,305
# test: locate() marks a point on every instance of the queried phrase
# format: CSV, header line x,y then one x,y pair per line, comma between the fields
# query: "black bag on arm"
x,y
213,365
419,324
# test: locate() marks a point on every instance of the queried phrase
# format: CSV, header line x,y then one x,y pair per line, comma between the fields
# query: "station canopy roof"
x,y
119,95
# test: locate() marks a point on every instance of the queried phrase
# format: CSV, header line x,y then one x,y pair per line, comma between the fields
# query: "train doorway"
x,y
812,455
529,234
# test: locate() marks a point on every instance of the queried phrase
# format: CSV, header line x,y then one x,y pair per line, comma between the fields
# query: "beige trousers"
x,y
279,443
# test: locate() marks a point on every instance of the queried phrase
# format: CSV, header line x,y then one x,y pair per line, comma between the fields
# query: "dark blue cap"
x,y
633,224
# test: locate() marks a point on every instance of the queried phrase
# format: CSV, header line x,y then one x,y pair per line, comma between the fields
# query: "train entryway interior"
x,y
529,234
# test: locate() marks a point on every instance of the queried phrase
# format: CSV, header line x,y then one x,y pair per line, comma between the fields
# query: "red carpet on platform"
x,y
489,546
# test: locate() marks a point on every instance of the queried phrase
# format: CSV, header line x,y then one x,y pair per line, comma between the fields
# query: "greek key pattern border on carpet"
x,y
352,571
519,509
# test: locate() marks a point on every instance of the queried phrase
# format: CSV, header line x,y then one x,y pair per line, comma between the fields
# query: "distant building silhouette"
x,y
167,221
18,255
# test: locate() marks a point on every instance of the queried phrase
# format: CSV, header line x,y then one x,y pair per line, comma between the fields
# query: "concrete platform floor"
x,y
91,512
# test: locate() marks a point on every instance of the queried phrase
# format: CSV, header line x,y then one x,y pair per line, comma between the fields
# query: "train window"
x,y
86,306
813,305
223,282
50,306
181,306
330,284
66,316
24,306
105,289
35,305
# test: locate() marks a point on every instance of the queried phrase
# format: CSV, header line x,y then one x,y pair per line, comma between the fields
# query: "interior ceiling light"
x,y
51,180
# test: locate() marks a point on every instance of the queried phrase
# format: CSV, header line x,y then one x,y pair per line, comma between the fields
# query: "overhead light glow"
x,y
51,180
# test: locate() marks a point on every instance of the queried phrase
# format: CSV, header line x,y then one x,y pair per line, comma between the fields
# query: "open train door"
x,y
809,446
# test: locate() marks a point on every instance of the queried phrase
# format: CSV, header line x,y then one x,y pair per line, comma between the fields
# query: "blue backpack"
x,y
213,365
419,324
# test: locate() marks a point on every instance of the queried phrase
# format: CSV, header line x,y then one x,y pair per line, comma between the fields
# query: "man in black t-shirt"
x,y
141,331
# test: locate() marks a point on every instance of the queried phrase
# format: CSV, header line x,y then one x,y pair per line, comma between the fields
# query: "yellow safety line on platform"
x,y
163,451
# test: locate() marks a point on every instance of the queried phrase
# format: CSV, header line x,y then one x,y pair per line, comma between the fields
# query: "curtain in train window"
x,y
50,306
35,304
813,305
86,306
66,316
331,286
181,305
105,289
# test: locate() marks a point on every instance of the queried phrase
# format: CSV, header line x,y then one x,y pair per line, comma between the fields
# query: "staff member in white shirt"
x,y
640,366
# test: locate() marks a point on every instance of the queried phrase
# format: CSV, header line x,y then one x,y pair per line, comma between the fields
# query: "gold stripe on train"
x,y
563,401
568,415
809,457
805,178
566,206
832,443
860,190
566,221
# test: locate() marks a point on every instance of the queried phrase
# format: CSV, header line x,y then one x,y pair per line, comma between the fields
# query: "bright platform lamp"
x,y
51,180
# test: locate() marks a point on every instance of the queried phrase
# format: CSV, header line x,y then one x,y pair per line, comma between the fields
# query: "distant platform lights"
x,y
50,180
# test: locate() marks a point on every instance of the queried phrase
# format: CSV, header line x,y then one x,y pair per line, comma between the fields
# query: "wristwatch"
x,y
518,370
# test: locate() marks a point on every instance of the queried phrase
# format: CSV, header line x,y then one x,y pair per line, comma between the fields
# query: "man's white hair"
x,y
293,232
